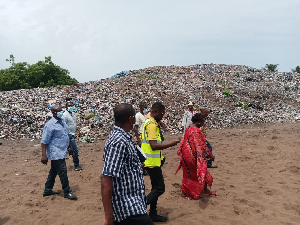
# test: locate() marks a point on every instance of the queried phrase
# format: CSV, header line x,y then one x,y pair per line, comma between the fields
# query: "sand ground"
x,y
257,182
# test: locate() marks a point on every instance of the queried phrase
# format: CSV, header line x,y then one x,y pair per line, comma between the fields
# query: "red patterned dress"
x,y
194,154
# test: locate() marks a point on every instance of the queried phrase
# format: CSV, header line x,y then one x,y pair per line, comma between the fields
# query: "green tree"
x,y
271,67
41,74
297,69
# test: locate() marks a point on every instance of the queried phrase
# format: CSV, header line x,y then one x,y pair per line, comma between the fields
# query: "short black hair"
x,y
158,106
122,112
198,117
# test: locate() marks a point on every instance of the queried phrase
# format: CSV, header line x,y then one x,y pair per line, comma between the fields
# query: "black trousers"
x,y
143,219
158,187
58,167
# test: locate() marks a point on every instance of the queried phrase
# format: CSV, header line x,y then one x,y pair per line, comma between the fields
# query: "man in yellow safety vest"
x,y
152,146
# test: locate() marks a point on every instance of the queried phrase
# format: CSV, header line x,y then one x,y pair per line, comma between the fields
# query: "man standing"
x,y
122,180
205,112
187,116
70,119
55,142
140,119
152,146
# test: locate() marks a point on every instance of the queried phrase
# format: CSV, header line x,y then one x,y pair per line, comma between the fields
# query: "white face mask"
x,y
60,114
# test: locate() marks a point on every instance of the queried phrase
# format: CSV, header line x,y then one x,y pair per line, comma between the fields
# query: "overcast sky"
x,y
95,39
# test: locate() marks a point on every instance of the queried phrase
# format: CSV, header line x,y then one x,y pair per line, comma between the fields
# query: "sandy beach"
x,y
257,182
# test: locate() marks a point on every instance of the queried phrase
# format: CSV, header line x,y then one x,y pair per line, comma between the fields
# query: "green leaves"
x,y
42,74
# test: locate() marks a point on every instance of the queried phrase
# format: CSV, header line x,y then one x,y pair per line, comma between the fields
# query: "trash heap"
x,y
236,95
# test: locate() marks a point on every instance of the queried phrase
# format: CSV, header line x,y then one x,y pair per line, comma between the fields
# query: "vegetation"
x,y
271,67
244,105
297,69
227,93
148,76
42,74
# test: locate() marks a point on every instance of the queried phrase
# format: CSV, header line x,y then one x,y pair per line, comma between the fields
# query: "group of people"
x,y
126,161
122,179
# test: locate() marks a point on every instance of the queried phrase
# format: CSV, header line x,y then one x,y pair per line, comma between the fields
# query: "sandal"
x,y
210,193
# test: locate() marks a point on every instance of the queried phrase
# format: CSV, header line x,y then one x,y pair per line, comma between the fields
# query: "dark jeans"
x,y
143,219
209,162
158,187
58,167
75,150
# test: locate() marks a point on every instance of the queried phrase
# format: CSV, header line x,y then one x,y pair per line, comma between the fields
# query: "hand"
x,y
212,158
44,159
108,222
70,150
143,165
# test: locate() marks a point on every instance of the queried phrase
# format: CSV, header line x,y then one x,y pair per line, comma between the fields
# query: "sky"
x,y
95,39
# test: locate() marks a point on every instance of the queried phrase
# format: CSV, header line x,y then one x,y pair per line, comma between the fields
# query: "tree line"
x,y
22,75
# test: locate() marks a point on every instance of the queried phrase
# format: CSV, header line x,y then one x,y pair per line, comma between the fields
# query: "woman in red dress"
x,y
194,155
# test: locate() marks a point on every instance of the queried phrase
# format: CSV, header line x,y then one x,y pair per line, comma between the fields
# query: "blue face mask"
x,y
60,114
145,111
70,109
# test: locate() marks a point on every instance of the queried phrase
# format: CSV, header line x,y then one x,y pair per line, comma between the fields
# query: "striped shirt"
x,y
122,163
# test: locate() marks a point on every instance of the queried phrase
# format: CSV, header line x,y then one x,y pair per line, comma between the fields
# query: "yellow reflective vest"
x,y
154,157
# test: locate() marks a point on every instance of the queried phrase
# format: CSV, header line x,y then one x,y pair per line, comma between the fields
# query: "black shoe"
x,y
50,193
212,166
158,218
78,168
70,196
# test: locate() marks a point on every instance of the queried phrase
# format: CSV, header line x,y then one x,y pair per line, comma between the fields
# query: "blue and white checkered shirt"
x,y
56,137
122,163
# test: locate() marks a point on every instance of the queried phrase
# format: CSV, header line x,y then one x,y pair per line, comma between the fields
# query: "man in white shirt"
x,y
140,119
70,119
187,116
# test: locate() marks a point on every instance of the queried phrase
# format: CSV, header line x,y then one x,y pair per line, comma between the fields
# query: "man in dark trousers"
x,y
122,180
55,143
152,146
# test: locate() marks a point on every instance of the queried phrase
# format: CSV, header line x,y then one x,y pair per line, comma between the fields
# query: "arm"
x,y
157,146
44,158
106,193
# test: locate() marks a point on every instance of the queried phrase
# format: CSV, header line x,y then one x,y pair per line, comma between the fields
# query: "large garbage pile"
x,y
235,94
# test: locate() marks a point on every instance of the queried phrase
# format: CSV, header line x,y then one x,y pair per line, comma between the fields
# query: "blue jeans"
x,y
209,162
75,150
58,167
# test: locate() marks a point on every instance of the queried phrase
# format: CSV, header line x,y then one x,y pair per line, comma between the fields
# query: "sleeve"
x,y
183,122
114,158
47,133
151,131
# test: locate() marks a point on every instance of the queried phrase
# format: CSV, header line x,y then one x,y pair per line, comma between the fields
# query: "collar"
x,y
127,135
153,120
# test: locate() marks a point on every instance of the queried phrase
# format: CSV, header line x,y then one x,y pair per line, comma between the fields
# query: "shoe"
x,y
50,193
212,166
70,196
158,218
78,168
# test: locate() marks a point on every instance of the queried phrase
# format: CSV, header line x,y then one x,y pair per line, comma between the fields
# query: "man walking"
x,y
70,119
152,146
187,116
55,142
122,180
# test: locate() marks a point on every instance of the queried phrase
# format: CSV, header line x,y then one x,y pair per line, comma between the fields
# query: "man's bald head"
x,y
56,108
122,112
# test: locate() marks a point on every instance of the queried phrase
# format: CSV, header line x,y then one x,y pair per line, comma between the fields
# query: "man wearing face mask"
x,y
152,146
55,142
122,181
70,118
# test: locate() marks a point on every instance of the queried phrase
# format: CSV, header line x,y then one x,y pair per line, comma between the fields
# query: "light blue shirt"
x,y
55,136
